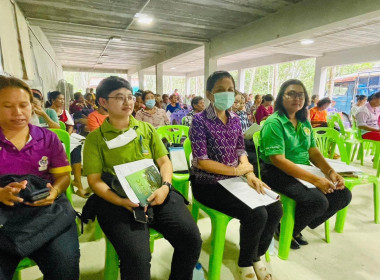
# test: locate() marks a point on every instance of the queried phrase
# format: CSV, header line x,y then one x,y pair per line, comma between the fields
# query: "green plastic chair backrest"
x,y
173,133
336,118
328,140
256,141
183,120
187,149
355,127
62,125
64,137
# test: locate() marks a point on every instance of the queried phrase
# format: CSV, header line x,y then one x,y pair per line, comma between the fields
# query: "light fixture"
x,y
143,18
115,39
307,41
173,68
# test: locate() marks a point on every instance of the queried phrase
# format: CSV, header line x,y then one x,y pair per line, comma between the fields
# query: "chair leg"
x,y
376,200
287,226
218,236
267,256
195,211
111,267
17,275
327,231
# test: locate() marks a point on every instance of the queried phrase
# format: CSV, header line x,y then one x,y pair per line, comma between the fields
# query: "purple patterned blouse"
x,y
214,140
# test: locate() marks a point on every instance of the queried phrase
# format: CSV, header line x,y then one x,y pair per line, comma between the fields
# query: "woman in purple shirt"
x,y
218,150
30,150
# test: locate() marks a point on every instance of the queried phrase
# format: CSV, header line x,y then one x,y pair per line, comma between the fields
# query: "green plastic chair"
x,y
335,139
219,223
111,267
183,120
174,135
65,139
62,125
288,217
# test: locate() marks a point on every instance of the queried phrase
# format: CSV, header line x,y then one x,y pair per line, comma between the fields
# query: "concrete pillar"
x,y
210,65
240,80
159,78
275,81
141,80
319,79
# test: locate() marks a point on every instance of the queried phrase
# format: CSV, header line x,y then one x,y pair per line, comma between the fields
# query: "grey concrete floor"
x,y
351,255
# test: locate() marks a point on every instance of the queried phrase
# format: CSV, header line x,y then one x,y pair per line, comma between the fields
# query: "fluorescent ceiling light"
x,y
307,41
143,18
173,68
115,39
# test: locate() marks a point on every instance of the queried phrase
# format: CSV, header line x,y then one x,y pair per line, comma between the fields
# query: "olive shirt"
x,y
97,158
280,137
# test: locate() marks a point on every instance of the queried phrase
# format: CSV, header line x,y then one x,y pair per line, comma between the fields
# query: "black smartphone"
x,y
37,195
140,215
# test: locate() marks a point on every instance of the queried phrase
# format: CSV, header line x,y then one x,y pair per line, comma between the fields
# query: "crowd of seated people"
x,y
219,127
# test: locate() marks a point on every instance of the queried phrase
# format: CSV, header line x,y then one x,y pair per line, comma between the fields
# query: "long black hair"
x,y
301,115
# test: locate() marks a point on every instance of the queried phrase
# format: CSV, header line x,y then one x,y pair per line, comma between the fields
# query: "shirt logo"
x,y
306,130
43,163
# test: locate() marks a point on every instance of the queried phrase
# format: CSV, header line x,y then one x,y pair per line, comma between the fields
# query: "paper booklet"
x,y
239,187
139,179
339,166
248,134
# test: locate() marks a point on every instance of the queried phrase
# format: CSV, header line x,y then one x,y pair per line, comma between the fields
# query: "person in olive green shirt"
x,y
287,140
171,216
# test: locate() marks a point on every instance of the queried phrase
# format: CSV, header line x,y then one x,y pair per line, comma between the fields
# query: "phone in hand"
x,y
37,195
140,215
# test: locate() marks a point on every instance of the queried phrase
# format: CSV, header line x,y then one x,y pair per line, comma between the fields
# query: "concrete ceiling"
x,y
80,31
347,36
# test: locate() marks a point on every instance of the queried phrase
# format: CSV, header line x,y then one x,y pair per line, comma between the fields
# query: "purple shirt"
x,y
212,139
368,116
42,155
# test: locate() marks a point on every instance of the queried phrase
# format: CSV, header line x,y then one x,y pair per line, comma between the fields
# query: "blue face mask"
x,y
150,103
224,100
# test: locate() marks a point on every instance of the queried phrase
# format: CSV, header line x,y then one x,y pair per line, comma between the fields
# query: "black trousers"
x,y
256,225
131,239
58,259
313,207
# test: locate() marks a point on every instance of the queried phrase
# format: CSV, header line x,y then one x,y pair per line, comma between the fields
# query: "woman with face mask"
x,y
218,153
151,114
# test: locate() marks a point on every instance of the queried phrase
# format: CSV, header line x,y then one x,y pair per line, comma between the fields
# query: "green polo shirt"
x,y
97,158
279,137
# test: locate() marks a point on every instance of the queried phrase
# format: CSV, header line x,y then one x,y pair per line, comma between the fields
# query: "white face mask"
x,y
122,139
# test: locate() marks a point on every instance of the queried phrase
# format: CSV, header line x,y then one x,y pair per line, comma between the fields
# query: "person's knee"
x,y
275,211
257,216
345,197
190,238
317,204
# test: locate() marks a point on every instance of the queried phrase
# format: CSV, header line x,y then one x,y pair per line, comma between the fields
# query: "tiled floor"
x,y
352,255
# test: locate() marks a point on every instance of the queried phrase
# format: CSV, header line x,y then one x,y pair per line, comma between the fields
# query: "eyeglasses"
x,y
293,95
123,98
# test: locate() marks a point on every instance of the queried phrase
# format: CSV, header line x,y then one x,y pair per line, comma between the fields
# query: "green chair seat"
x,y
288,217
333,137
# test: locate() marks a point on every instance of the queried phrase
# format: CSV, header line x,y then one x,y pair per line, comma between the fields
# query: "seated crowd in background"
x,y
151,114
318,114
367,118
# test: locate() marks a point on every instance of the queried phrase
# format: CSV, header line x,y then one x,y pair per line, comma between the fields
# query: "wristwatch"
x,y
168,184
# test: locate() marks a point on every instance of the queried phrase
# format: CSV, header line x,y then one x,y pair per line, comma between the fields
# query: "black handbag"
x,y
28,227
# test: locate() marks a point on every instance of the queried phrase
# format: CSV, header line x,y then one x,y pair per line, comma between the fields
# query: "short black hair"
x,y
196,100
301,115
361,97
373,96
216,76
268,97
77,95
323,101
108,85
313,97
145,93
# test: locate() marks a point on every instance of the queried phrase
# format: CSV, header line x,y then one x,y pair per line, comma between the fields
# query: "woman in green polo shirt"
x,y
287,140
171,216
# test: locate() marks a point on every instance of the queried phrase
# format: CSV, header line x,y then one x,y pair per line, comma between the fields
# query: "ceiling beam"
x,y
293,51
95,70
294,22
92,30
